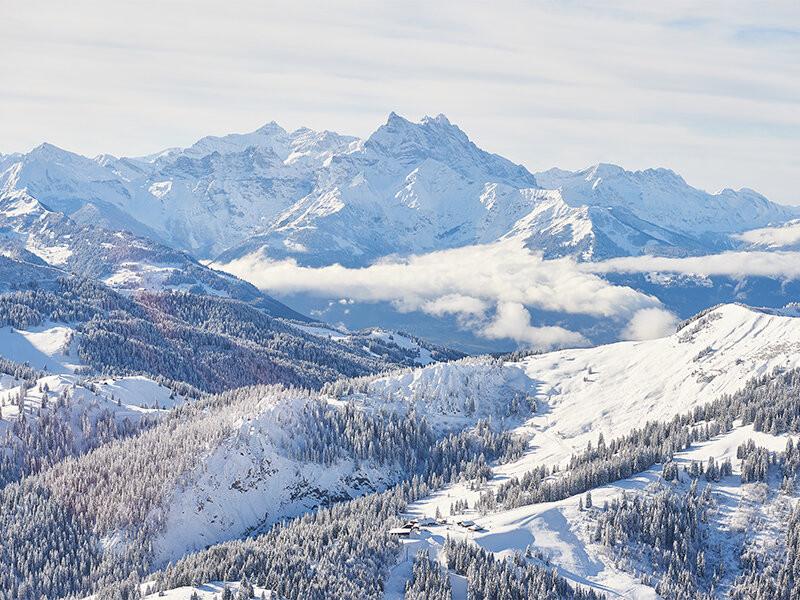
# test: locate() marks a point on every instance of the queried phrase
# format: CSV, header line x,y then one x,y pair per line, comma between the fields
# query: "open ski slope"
x,y
610,390
48,347
614,388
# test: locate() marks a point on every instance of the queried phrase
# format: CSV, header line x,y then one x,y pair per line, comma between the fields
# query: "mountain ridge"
x,y
407,188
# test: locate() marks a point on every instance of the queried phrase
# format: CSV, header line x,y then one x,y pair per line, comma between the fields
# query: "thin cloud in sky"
x,y
710,90
778,265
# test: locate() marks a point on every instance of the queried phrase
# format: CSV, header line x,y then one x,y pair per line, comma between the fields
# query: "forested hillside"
x,y
221,458
207,341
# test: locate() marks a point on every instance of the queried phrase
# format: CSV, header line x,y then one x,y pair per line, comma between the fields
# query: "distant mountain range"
x,y
322,198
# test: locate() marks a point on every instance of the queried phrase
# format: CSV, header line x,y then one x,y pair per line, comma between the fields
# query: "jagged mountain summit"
x,y
409,188
191,198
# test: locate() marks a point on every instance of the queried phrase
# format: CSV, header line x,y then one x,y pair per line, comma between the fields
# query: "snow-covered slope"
x,y
579,394
380,342
249,482
230,465
125,397
45,418
49,347
73,184
53,320
656,212
199,198
449,395
211,590
614,388
222,189
611,390
255,477
557,534
662,197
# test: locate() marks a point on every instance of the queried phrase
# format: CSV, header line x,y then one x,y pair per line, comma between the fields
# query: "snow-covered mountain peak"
x,y
410,187
46,148
603,170
268,137
105,159
618,181
398,126
316,148
611,170
718,323
457,392
53,155
19,202
400,145
151,158
396,120
662,198
271,128
61,178
547,178
422,136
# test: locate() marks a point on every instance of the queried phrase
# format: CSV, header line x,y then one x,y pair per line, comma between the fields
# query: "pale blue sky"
x,y
711,89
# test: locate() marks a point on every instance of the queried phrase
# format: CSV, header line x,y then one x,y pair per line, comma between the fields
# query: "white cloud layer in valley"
x,y
650,323
778,265
773,237
489,288
494,289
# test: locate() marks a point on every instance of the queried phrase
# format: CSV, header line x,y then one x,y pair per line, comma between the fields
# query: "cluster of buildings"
x,y
413,525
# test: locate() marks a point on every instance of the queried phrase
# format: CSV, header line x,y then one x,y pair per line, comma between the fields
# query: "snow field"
x,y
611,390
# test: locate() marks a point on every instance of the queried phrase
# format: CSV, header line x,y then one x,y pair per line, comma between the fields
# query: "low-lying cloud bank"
x,y
778,265
489,288
773,237
650,323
